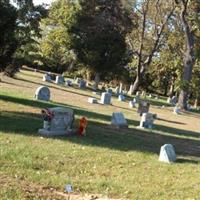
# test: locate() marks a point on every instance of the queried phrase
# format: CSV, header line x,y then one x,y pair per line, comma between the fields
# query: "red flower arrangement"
x,y
47,114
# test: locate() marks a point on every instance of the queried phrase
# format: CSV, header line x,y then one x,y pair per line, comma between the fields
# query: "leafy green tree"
x,y
98,35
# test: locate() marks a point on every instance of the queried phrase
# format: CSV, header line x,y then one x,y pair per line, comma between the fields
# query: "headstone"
x,y
47,77
150,96
92,100
118,120
143,107
78,80
167,154
189,107
156,97
82,84
176,110
68,83
174,100
60,123
42,93
105,98
135,100
147,120
132,104
60,80
144,94
109,90
121,97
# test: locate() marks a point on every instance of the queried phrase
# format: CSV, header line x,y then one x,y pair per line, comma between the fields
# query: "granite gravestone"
x,y
92,100
82,84
60,124
60,80
109,90
121,97
47,78
117,90
174,100
118,120
68,83
176,110
167,154
42,93
132,104
147,120
105,98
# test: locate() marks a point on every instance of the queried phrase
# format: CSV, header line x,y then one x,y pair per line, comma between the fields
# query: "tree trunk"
x,y
96,80
171,90
189,59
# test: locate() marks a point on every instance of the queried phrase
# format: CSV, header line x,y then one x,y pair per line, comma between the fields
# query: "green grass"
x,y
117,163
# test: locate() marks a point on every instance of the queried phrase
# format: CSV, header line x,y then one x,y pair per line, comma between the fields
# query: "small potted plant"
x,y
47,116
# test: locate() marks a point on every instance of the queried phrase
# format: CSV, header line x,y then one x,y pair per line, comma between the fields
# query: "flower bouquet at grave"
x,y
47,116
82,126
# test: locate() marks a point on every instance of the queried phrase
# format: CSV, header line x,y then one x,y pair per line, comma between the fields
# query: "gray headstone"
x,y
176,110
47,77
106,98
92,100
109,90
77,80
167,154
68,83
82,84
147,120
174,100
131,104
121,97
117,90
60,124
118,120
42,93
60,80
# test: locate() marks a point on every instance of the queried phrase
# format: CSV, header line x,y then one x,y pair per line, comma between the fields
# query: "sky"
x,y
37,2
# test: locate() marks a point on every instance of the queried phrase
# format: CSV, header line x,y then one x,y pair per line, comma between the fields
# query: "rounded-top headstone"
x,y
167,154
42,93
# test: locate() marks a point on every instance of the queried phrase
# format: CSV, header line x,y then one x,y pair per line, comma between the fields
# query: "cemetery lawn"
x,y
115,163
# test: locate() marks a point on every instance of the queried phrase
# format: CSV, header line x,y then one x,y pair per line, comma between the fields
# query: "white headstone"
x,y
174,100
121,97
176,110
147,120
42,93
167,154
47,77
92,100
117,90
60,124
60,80
105,98
118,120
131,104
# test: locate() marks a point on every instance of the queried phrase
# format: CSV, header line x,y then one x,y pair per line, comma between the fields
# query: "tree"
x,y
153,17
189,27
98,35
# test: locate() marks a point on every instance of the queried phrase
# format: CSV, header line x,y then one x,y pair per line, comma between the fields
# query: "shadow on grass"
x,y
57,88
98,134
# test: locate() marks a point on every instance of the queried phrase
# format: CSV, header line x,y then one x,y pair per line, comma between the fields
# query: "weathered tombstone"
x,y
167,154
109,90
147,120
60,123
60,80
156,97
150,96
121,97
68,83
143,107
42,93
47,78
78,80
105,98
118,120
132,104
92,100
82,84
134,100
174,100
176,110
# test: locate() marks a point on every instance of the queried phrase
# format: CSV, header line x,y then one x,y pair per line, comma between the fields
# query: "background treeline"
x,y
152,45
